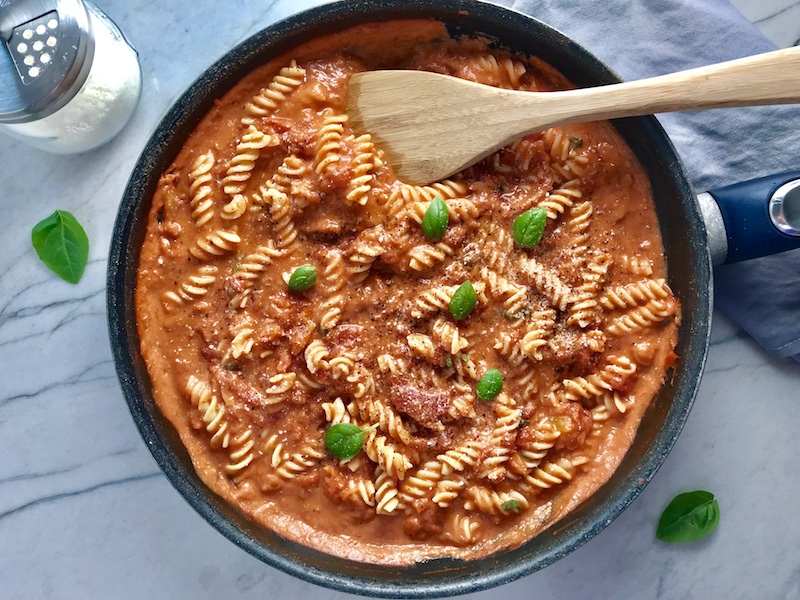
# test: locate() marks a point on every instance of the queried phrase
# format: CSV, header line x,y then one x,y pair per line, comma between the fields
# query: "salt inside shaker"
x,y
69,80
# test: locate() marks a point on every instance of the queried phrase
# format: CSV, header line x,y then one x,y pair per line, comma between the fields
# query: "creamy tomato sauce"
x,y
582,326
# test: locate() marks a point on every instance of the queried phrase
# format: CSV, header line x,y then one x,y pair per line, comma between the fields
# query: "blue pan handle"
x,y
753,218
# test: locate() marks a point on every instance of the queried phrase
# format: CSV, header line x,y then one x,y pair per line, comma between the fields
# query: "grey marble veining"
x,y
779,20
85,512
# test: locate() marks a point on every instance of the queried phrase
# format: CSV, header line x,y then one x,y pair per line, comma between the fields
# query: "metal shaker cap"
x,y
46,53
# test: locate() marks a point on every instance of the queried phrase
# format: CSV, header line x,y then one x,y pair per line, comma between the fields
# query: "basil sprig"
x,y
302,279
529,227
62,245
463,301
344,440
688,518
490,385
436,218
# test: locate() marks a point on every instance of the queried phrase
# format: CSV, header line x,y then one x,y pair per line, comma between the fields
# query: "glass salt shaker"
x,y
69,80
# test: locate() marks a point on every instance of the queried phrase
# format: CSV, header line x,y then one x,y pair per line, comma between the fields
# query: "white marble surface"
x,y
85,512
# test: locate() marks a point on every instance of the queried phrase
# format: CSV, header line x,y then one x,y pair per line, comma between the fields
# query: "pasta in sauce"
x,y
582,326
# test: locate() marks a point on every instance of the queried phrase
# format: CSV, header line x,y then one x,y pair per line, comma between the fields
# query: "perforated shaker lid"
x,y
46,52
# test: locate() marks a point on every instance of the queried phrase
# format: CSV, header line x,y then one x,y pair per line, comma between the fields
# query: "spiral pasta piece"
x,y
547,283
493,464
330,312
461,457
560,199
612,376
342,366
364,162
421,345
290,179
489,501
362,259
273,448
285,230
532,453
462,406
299,463
268,99
215,244
307,382
506,71
449,336
373,410
448,489
425,256
514,297
280,384
496,247
614,403
465,367
636,265
336,412
559,145
567,164
458,210
248,152
385,454
508,347
200,191
242,343
212,412
235,208
420,483
329,142
433,300
407,195
386,493
364,489
241,453
249,270
462,530
508,418
542,324
651,313
554,473
584,308
194,287
392,364
635,294
580,219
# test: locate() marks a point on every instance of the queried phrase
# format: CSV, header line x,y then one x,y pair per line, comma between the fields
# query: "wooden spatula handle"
x,y
770,78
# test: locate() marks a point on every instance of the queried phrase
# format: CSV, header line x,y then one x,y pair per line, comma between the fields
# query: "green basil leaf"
x,y
344,440
436,218
62,245
529,227
463,301
490,385
510,505
688,518
302,278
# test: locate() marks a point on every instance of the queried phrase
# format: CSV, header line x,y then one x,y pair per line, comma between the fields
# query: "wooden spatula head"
x,y
429,125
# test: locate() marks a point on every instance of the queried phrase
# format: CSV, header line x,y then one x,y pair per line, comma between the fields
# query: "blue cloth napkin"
x,y
644,38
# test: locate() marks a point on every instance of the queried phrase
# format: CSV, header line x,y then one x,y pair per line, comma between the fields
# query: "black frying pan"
x,y
686,246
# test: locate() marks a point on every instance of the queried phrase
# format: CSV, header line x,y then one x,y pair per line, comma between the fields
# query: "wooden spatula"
x,y
432,126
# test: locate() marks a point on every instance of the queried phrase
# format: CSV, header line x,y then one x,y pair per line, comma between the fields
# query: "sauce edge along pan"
x,y
689,271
